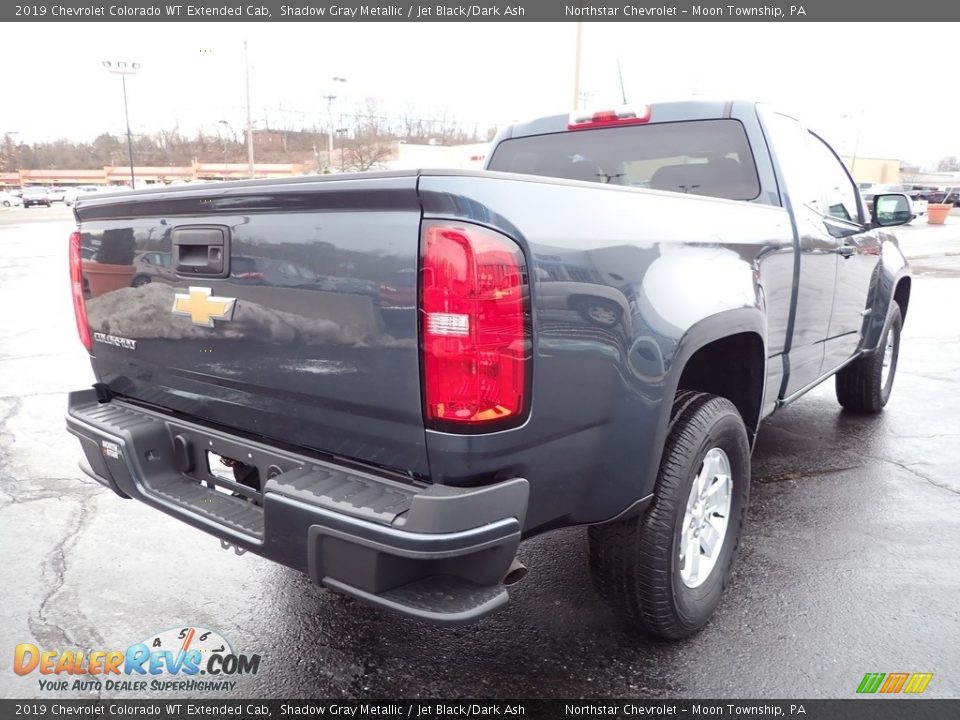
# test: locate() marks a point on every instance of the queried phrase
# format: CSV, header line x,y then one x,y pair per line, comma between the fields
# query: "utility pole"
x,y
246,63
856,139
123,69
576,68
623,91
226,125
334,125
330,124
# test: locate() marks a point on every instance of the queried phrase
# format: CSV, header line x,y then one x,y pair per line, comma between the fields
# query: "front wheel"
x,y
865,384
665,571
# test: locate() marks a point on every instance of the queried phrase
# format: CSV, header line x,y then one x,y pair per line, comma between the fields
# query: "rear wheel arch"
x,y
901,295
723,336
732,366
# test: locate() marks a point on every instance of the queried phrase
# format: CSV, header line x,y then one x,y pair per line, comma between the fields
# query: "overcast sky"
x,y
890,85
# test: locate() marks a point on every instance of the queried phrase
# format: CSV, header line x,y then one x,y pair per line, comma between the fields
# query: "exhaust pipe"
x,y
516,573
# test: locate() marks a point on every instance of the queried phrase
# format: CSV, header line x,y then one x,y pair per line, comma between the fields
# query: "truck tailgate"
x,y
287,311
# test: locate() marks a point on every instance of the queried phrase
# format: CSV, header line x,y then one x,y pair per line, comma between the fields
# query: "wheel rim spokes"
x,y
706,518
887,359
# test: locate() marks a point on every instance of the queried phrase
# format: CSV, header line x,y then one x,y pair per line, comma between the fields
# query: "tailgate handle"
x,y
201,251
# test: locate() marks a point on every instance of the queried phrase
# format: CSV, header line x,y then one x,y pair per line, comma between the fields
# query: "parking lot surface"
x,y
850,562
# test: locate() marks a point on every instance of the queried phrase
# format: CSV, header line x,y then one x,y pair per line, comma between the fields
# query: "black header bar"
x,y
858,11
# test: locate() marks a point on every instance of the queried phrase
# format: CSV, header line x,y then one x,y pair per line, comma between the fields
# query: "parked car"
x,y
36,196
71,194
946,196
57,194
10,200
152,266
918,204
268,271
592,334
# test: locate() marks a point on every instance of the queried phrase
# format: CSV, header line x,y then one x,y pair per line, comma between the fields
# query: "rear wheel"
x,y
665,571
599,311
865,384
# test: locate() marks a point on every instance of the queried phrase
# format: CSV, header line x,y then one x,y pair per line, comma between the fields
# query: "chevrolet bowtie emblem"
x,y
202,307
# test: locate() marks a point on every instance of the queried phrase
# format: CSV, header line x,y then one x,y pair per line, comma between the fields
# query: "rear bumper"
x,y
428,551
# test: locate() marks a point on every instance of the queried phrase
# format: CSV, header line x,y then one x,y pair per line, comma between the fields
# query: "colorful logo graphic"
x,y
893,683
186,652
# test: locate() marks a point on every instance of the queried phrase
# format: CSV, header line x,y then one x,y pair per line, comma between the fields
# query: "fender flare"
x,y
885,288
699,335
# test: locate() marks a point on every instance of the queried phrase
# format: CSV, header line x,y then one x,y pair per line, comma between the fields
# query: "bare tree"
x,y
8,154
368,140
950,163
365,151
909,173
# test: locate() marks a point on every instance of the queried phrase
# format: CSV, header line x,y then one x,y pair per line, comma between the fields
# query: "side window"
x,y
792,150
838,189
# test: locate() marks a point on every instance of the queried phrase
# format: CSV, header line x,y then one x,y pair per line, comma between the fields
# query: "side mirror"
x,y
892,209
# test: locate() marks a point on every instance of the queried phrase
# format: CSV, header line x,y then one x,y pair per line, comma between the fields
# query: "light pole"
x,y
331,127
226,125
856,139
246,65
329,99
123,68
576,67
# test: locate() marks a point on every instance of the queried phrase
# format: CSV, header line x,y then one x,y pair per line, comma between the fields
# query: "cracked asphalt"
x,y
850,561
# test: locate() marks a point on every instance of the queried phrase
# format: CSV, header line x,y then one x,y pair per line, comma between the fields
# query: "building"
x,y
408,156
120,175
939,179
875,170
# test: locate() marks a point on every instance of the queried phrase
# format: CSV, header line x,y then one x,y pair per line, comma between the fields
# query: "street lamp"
x,y
578,45
228,126
856,141
123,68
330,127
246,70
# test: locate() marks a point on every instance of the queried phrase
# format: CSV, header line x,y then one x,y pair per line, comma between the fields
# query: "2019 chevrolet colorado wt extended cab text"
x,y
440,364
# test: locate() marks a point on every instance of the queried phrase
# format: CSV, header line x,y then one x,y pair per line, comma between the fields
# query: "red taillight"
x,y
609,118
76,286
474,328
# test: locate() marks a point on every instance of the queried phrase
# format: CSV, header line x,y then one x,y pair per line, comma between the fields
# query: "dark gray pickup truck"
x,y
389,380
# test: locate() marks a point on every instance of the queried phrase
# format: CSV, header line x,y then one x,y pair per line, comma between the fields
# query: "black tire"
x,y
140,281
635,563
860,385
599,311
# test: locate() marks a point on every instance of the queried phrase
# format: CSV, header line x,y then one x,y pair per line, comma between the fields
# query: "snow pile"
x,y
147,312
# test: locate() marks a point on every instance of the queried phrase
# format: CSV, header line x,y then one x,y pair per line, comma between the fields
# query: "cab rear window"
x,y
698,157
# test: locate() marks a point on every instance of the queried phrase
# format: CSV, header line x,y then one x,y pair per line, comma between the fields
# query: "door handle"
x,y
847,250
201,250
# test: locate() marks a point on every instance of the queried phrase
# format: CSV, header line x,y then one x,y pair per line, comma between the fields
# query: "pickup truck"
x,y
588,332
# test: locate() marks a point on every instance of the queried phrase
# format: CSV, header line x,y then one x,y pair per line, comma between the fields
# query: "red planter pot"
x,y
103,278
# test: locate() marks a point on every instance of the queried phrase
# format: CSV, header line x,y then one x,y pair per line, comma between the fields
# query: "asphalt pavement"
x,y
850,562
